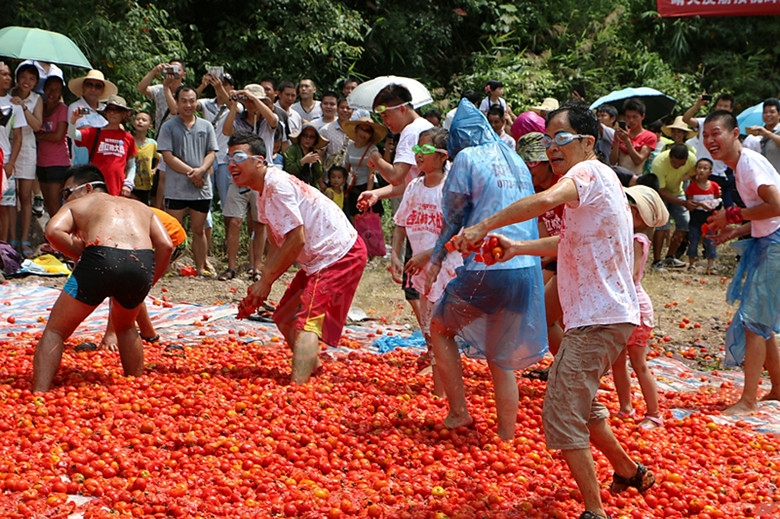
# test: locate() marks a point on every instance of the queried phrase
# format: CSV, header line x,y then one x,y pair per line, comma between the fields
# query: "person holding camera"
x,y
632,144
90,89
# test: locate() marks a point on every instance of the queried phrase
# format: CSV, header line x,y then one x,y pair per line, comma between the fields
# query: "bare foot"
x,y
506,433
772,395
739,409
108,345
455,421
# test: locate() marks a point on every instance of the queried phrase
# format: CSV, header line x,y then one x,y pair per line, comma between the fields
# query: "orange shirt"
x,y
172,225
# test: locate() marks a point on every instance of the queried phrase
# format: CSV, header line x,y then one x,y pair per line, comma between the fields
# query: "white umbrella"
x,y
363,95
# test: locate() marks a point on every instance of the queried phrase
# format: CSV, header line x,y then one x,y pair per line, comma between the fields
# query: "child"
x,y
706,194
146,160
111,148
648,211
337,178
419,217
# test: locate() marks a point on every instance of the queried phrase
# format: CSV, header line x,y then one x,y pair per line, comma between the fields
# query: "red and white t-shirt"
x,y
113,150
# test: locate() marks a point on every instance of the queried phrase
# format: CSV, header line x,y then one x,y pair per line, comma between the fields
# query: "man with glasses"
x,y
90,89
119,257
600,308
307,227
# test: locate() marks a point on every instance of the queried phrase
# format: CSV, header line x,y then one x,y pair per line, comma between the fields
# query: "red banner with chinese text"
x,y
718,7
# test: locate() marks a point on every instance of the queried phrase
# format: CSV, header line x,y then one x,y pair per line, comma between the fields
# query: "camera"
x,y
83,110
623,125
706,97
173,70
235,96
217,72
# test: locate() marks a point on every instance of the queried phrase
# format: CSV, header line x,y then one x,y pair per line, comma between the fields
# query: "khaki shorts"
x,y
239,201
570,404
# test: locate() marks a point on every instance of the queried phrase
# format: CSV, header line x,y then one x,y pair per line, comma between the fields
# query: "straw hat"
x,y
350,128
117,101
548,105
75,85
651,207
530,148
321,141
678,124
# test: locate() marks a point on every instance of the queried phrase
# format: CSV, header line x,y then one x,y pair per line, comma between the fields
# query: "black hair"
x,y
650,180
285,84
32,69
772,101
656,126
86,173
336,167
472,96
581,118
330,93
493,84
729,119
228,79
183,88
269,80
635,104
439,137
704,159
725,97
678,151
611,110
496,110
256,144
432,113
53,78
178,60
579,88
393,93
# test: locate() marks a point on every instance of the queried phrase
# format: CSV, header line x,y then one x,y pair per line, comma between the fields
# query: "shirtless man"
x,y
123,249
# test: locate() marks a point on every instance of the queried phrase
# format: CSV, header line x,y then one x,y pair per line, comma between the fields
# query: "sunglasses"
x,y
380,109
90,84
427,149
561,139
238,157
70,190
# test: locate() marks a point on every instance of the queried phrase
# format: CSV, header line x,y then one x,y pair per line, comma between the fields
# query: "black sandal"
x,y
537,374
86,346
642,480
152,339
587,514
227,275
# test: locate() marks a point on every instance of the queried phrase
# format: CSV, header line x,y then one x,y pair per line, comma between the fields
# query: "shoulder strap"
x,y
94,144
221,111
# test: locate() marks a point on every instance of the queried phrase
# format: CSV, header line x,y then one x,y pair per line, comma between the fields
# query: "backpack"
x,y
10,260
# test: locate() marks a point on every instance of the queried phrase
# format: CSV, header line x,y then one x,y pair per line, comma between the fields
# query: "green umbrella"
x,y
40,45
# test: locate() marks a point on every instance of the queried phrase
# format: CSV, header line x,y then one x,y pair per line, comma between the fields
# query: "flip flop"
x,y
537,374
27,250
227,275
155,338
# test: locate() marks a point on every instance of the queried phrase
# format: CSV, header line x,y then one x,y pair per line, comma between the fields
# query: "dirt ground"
x,y
690,309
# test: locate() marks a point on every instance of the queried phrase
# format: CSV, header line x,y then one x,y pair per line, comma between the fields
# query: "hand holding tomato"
x,y
366,199
717,221
470,239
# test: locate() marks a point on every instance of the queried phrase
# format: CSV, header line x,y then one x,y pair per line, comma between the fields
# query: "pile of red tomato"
x,y
219,432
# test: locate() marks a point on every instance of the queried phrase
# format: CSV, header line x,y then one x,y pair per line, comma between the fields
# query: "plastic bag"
x,y
10,260
369,227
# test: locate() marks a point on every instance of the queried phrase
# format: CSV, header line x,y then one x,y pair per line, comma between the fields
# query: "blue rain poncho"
x,y
498,310
756,284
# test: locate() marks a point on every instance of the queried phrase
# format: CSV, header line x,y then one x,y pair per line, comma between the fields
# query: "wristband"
x,y
734,214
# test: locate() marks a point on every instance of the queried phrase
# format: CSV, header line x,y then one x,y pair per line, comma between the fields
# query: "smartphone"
x,y
706,97
623,125
217,71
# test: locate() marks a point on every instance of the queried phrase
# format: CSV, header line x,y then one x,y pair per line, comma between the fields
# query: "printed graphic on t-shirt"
x,y
113,147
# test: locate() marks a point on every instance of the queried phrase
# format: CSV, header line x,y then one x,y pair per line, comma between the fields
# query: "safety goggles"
x,y
70,190
427,149
238,157
561,139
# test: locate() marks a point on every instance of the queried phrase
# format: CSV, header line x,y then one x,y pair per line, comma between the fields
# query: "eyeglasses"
x,y
561,139
238,157
70,190
91,84
427,149
380,109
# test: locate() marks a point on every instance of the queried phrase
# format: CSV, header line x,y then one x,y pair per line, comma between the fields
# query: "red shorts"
x,y
640,336
320,302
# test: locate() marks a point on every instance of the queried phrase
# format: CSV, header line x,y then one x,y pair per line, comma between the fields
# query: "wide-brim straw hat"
x,y
321,141
76,85
548,105
350,128
650,205
117,101
679,124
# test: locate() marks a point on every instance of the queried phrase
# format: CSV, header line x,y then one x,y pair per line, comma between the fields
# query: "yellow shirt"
x,y
338,198
670,178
